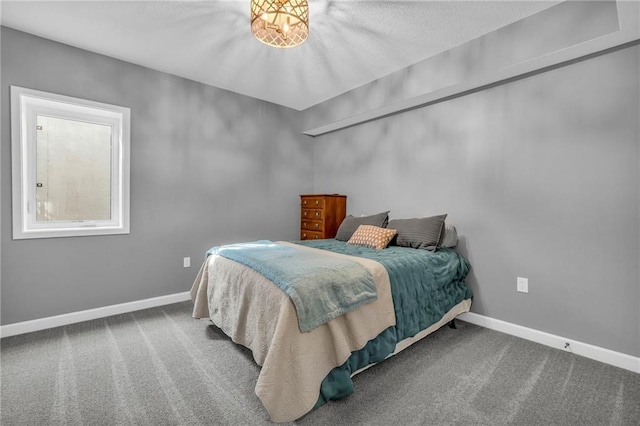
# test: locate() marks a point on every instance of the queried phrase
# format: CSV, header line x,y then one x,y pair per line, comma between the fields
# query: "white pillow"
x,y
450,238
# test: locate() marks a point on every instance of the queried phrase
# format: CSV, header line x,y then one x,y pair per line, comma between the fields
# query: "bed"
x,y
418,291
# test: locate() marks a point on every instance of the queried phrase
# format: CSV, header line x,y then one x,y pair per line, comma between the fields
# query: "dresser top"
x,y
322,195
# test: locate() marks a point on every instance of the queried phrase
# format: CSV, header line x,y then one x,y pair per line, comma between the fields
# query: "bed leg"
x,y
452,324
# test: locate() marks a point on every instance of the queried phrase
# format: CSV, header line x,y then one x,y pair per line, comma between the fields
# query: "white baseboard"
x,y
597,353
90,314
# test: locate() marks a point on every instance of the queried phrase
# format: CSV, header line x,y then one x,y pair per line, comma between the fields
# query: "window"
x,y
70,160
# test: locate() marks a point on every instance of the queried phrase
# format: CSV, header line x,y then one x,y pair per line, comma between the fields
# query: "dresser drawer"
x,y
311,235
312,225
313,202
312,214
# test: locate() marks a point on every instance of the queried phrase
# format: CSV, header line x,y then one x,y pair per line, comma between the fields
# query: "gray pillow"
x,y
421,233
351,223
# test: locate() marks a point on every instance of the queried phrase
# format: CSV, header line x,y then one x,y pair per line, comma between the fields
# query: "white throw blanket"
x,y
257,314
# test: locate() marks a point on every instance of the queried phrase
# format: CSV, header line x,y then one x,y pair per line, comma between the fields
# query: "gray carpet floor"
x,y
162,367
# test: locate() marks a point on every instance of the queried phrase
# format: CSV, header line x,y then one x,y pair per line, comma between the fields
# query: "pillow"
x,y
450,238
351,223
372,237
421,233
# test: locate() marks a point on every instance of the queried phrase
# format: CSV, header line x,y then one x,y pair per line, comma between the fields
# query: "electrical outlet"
x,y
522,285
186,262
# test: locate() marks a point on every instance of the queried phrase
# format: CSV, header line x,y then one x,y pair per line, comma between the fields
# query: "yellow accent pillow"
x,y
372,237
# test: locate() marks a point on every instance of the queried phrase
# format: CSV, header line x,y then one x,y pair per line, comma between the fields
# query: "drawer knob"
x,y
317,202
304,235
304,213
317,213
316,225
304,202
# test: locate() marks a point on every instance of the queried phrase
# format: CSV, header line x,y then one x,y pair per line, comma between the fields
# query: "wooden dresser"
x,y
321,215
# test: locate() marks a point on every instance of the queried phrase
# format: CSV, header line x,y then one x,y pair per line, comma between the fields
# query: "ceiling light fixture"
x,y
280,23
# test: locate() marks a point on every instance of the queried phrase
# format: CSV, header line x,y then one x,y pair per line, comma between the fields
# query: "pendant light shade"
x,y
280,23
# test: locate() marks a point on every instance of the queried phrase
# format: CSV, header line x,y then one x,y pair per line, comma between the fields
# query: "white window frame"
x,y
26,104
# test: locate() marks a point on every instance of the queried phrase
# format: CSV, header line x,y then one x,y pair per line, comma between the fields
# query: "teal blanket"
x,y
424,285
321,287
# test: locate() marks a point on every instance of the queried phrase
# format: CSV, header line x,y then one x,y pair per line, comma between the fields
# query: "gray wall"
x,y
540,176
207,167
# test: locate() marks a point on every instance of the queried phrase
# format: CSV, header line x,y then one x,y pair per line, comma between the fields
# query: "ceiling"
x,y
351,43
